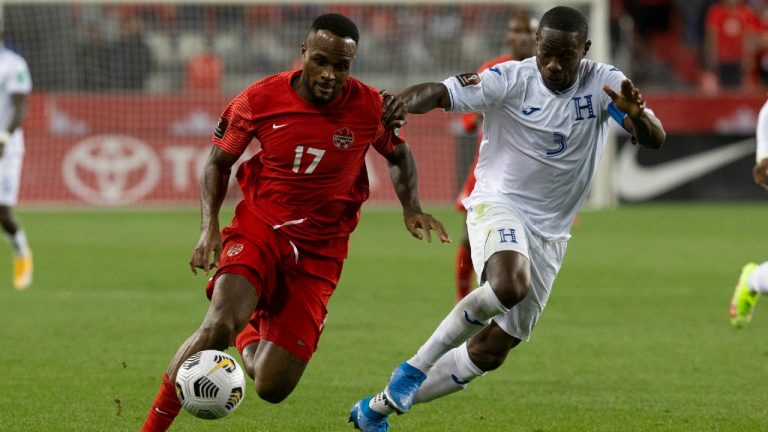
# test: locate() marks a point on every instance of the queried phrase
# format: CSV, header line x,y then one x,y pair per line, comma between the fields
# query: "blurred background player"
x,y
753,280
546,121
520,40
15,86
285,248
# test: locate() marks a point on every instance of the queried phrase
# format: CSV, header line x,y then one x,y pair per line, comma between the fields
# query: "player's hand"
x,y
760,174
415,221
393,111
207,251
629,100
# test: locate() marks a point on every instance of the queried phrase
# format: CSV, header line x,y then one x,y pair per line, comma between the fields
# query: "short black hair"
x,y
337,24
565,19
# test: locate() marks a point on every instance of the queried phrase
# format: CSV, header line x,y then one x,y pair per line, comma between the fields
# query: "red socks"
x,y
164,410
464,272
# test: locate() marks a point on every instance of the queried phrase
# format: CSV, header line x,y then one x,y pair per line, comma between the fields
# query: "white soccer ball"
x,y
210,384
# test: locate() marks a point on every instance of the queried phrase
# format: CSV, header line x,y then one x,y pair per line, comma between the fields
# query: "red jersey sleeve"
x,y
235,129
387,139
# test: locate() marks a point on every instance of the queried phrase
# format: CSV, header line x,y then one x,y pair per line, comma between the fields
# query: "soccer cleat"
x,y
403,385
22,272
366,419
743,300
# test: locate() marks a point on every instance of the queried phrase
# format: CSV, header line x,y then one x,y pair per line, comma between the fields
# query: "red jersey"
x,y
309,178
731,25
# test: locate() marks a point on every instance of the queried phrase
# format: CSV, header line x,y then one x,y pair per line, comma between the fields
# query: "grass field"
x,y
635,337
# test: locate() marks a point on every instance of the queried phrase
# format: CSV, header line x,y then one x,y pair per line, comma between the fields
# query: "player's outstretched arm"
x,y
423,98
646,127
402,172
213,189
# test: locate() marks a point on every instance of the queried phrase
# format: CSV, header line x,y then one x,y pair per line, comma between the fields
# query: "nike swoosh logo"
x,y
637,182
472,321
495,69
458,380
531,110
277,126
161,411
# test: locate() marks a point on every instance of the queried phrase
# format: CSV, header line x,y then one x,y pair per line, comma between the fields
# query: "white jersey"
x,y
14,79
762,133
540,148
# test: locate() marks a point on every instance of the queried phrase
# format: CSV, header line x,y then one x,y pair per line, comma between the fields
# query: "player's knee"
x,y
218,334
512,288
6,219
510,277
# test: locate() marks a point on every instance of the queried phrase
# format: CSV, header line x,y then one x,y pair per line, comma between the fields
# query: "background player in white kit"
x,y
753,280
15,86
546,121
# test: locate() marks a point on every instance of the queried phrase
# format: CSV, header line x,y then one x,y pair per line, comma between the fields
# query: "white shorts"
x,y
10,174
493,228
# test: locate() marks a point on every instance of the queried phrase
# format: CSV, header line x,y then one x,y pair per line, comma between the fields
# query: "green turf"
x,y
635,336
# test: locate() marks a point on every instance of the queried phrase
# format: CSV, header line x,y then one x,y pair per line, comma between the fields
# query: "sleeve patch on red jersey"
x,y
221,127
468,79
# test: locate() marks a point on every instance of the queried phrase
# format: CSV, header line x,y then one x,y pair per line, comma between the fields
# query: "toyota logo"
x,y
111,169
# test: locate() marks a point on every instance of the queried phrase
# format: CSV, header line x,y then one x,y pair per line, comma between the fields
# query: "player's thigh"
x,y
499,243
546,259
295,317
232,302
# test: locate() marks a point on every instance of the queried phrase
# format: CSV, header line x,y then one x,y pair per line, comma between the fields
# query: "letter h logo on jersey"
x,y
507,235
580,108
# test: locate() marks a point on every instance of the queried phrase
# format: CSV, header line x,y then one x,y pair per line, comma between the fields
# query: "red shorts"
x,y
469,185
293,287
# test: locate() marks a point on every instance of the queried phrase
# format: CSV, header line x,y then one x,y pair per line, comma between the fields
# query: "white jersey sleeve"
x,y
472,92
762,133
17,79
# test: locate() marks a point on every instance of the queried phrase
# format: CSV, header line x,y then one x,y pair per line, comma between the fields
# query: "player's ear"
x,y
303,50
586,47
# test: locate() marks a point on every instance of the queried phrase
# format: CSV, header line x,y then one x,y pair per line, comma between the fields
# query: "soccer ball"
x,y
210,384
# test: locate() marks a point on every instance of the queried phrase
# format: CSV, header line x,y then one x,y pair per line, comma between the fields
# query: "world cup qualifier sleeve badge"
x,y
343,138
468,79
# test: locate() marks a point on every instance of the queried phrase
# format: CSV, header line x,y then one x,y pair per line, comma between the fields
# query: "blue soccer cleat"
x,y
403,385
366,419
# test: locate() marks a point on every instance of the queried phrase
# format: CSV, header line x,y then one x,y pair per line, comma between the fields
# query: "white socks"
x,y
450,374
468,317
454,369
758,280
19,243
